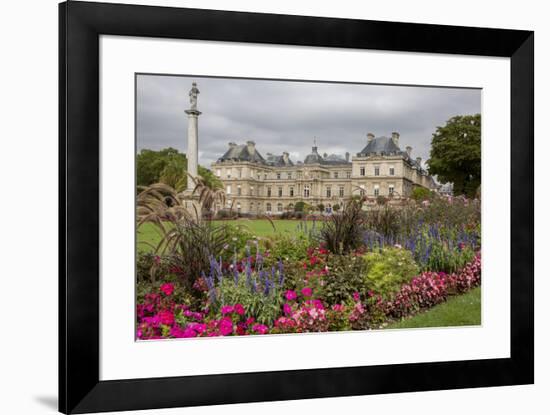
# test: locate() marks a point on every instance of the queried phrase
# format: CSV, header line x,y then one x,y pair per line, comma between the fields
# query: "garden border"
x,y
80,25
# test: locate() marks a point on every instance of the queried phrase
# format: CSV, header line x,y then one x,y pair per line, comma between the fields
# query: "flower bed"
x,y
268,309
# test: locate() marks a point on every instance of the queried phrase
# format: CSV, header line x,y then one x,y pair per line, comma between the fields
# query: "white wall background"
x,y
28,208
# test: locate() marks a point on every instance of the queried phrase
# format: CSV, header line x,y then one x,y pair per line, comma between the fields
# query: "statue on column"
x,y
193,96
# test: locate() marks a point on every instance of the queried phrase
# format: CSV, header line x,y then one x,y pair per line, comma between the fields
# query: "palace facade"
x,y
272,184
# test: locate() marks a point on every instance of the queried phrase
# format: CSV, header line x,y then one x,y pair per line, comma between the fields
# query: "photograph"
x,y
268,206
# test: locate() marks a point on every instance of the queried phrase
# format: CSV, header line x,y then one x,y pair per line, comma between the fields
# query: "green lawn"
x,y
259,227
462,310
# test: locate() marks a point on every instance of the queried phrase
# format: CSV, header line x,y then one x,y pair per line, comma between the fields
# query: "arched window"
x,y
291,206
306,190
268,207
279,207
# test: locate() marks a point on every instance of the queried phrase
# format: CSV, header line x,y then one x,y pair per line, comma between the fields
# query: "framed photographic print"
x,y
261,207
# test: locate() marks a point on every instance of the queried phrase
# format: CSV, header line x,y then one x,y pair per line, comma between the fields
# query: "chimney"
x,y
370,137
409,150
232,145
347,156
395,138
285,157
419,161
251,145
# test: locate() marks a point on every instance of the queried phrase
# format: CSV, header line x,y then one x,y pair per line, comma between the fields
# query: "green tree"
x,y
169,166
456,153
210,179
151,165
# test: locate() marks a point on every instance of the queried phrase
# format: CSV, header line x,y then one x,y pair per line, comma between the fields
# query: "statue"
x,y
193,96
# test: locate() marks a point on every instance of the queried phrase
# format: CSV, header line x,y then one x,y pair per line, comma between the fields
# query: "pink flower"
x,y
356,296
167,288
239,309
260,328
287,309
226,326
166,317
338,307
306,292
227,309
249,321
290,295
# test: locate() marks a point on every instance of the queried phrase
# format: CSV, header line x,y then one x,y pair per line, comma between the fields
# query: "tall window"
x,y
268,207
268,191
251,206
280,191
362,190
278,176
377,170
279,207
362,171
228,173
238,190
376,190
328,191
265,176
390,189
348,175
335,174
341,191
239,207
306,190
289,175
291,191
392,171
240,173
251,190
228,190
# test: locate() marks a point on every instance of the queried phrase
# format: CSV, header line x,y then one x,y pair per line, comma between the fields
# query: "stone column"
x,y
193,134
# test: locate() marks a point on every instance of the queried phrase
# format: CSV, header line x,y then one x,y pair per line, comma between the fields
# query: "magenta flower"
x,y
290,295
226,326
227,309
166,317
287,309
260,328
167,288
307,292
356,296
239,309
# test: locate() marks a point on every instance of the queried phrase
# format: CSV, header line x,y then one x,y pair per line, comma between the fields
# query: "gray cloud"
x,y
286,116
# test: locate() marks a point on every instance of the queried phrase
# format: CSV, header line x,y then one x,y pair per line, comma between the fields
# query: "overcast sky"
x,y
286,116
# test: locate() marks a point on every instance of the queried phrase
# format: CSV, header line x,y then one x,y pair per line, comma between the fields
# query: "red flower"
x,y
167,288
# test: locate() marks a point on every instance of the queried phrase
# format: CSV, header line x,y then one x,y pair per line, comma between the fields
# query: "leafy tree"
x,y
169,166
456,153
336,207
151,165
209,178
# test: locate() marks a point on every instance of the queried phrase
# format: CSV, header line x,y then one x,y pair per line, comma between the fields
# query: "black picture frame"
x,y
80,26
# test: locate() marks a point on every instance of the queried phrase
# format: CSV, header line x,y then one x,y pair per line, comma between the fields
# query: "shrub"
x,y
388,270
344,277
343,232
420,194
336,207
299,206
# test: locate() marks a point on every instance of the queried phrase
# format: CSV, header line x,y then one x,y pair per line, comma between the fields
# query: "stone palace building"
x,y
272,184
